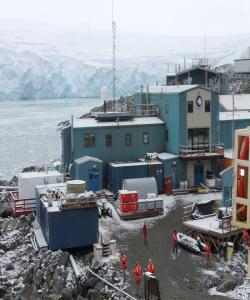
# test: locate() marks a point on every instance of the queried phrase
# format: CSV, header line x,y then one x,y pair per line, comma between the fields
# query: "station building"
x,y
179,122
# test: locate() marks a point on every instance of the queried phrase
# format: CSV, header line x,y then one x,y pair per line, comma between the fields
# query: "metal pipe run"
x,y
110,284
74,266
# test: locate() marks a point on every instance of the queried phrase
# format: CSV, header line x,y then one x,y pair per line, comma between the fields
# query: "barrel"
x,y
112,246
76,186
97,252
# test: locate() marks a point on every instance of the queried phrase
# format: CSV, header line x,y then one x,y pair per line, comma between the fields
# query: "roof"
x,y
39,174
197,67
238,115
92,122
166,156
241,102
86,158
169,89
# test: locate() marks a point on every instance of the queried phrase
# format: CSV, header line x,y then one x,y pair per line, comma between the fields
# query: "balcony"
x,y
194,153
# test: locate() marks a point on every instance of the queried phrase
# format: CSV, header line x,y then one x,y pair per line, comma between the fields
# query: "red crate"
x,y
128,196
125,207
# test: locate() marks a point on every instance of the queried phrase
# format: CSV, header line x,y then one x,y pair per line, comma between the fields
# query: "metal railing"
x,y
144,110
201,150
21,206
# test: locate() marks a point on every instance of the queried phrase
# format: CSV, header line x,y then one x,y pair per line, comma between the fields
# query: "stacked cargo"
x,y
128,201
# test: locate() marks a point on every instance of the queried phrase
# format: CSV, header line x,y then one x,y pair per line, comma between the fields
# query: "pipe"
x,y
244,149
74,266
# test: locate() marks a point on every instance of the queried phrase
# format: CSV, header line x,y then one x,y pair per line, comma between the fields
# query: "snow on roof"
x,y
238,115
241,102
170,89
166,156
92,122
39,174
86,158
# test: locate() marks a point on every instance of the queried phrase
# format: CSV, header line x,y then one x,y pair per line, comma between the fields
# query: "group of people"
x,y
138,272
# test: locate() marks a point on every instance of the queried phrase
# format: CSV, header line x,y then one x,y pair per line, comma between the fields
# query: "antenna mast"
x,y
113,60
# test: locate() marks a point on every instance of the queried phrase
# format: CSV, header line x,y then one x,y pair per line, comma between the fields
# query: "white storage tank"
x,y
143,186
76,186
27,182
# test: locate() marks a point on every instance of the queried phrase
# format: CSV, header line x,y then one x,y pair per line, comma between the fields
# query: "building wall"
x,y
226,131
66,146
119,151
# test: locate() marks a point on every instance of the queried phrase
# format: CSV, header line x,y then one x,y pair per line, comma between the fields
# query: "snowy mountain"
x,y
44,61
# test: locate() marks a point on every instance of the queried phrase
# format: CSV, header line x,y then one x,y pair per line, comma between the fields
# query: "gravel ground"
x,y
180,276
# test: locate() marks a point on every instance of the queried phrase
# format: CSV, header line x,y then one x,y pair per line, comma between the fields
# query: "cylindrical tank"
x,y
112,246
97,252
244,149
76,186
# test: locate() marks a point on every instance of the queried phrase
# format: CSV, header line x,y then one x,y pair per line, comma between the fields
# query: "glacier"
x,y
44,62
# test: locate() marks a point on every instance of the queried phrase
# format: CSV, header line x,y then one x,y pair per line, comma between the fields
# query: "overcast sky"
x,y
164,17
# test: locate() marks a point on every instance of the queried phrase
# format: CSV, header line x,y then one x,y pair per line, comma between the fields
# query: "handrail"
x,y
191,150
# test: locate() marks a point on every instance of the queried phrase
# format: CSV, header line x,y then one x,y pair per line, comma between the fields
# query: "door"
x,y
198,174
94,182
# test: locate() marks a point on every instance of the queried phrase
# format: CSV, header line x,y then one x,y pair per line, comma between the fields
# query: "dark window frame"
x,y
207,106
89,140
108,140
128,139
190,106
145,138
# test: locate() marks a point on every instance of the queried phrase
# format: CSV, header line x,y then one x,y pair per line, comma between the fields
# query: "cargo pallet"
x,y
140,214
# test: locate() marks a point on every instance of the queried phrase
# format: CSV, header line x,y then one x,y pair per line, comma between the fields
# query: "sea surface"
x,y
28,130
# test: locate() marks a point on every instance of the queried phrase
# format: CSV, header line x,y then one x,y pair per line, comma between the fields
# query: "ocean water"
x,y
28,130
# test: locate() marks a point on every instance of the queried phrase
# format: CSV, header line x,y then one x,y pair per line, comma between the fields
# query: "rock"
x,y
66,294
81,298
94,295
7,297
3,291
28,278
115,278
91,282
96,265
54,297
29,292
5,211
9,267
64,259
227,285
99,285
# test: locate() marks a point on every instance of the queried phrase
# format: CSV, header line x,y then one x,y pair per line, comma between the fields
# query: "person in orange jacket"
x,y
124,265
208,254
150,266
145,233
245,237
138,277
174,242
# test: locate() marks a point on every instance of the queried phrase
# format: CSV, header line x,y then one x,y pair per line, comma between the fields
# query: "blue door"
x,y
198,174
94,181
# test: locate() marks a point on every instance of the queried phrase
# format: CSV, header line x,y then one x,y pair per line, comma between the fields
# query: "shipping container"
x,y
119,171
68,228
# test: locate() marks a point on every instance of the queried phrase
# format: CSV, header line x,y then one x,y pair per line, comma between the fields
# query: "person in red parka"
x,y
245,237
145,233
174,242
150,266
138,277
124,265
208,254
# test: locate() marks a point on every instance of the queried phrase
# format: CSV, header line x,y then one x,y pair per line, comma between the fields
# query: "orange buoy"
x,y
244,149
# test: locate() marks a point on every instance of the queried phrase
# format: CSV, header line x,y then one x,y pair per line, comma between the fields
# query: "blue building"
x,y
182,121
191,118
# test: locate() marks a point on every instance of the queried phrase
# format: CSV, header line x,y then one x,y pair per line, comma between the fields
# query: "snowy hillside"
x,y
40,61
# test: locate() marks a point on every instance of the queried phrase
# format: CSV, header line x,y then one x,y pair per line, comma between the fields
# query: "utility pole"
x,y
113,60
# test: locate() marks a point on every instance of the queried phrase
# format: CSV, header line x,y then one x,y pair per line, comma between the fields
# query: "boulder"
x,y
66,294
64,259
227,285
3,291
29,292
5,211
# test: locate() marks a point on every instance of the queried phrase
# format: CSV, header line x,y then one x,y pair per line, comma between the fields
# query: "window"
x,y
190,106
145,138
207,106
198,138
128,139
89,140
108,140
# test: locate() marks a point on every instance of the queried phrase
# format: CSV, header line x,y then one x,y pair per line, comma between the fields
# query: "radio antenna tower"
x,y
113,59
